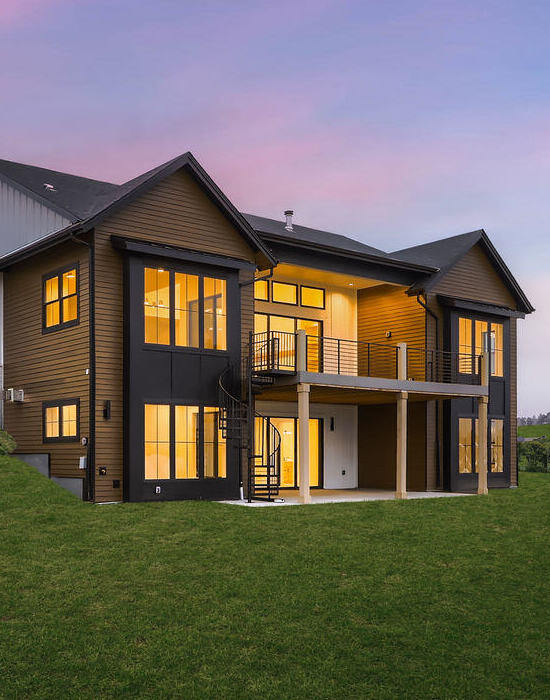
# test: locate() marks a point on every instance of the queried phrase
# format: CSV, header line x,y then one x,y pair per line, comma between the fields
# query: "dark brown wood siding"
x,y
176,211
378,444
47,366
474,277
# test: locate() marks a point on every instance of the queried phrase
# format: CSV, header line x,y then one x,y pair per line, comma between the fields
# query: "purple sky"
x,y
395,122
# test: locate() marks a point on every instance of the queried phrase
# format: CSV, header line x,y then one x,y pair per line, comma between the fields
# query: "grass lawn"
x,y
533,430
442,598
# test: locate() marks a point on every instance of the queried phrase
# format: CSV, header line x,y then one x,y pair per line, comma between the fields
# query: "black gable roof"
x,y
310,235
446,252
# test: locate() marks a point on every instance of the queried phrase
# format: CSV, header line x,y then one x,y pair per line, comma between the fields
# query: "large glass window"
x,y
60,299
184,298
497,445
60,420
474,338
284,293
282,339
289,430
179,455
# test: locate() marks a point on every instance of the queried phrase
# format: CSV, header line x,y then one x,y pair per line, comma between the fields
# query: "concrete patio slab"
x,y
292,497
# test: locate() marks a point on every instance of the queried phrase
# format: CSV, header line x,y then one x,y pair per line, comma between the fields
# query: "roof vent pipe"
x,y
289,214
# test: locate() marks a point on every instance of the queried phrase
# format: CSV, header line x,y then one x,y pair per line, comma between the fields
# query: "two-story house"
x,y
159,344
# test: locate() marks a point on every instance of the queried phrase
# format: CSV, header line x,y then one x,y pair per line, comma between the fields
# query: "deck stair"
x,y
252,433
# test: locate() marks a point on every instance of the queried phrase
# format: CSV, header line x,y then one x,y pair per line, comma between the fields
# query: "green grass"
x,y
533,430
443,598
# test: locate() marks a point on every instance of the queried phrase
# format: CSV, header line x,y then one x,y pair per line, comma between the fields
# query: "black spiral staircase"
x,y
251,433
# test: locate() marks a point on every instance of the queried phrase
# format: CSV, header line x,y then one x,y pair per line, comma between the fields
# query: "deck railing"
x,y
276,352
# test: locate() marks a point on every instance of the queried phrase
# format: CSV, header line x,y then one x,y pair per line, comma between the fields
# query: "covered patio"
x,y
303,387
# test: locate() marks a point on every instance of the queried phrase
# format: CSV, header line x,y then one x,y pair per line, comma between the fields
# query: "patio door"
x,y
289,429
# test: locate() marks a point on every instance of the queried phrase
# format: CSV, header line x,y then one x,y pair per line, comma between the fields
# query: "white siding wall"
x,y
340,444
23,219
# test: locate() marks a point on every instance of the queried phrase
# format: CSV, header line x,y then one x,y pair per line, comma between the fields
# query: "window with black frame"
x,y
184,310
476,336
60,299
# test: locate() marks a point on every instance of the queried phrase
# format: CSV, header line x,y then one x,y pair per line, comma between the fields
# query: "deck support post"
x,y
402,361
301,351
483,429
401,456
303,441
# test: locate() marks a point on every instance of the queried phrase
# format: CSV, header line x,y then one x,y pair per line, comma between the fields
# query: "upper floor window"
x,y
474,338
60,420
284,293
314,297
184,310
261,290
60,299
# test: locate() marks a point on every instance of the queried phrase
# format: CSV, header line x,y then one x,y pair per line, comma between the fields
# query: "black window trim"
x,y
59,274
319,289
60,403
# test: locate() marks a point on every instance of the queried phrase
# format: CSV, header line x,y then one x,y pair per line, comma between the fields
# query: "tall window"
x,y
187,431
476,337
60,420
497,445
214,445
215,314
195,447
157,441
184,310
465,446
60,299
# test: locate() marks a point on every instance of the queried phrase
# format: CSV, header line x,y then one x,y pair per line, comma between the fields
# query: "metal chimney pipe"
x,y
289,214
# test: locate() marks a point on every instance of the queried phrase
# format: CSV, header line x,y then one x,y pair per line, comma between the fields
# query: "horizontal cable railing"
x,y
276,351
443,366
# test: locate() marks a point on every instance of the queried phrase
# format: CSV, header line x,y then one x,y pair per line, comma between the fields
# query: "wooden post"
x,y
301,351
303,441
483,409
401,360
401,456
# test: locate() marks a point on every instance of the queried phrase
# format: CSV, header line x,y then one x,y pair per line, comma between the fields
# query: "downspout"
x,y
424,305
90,461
